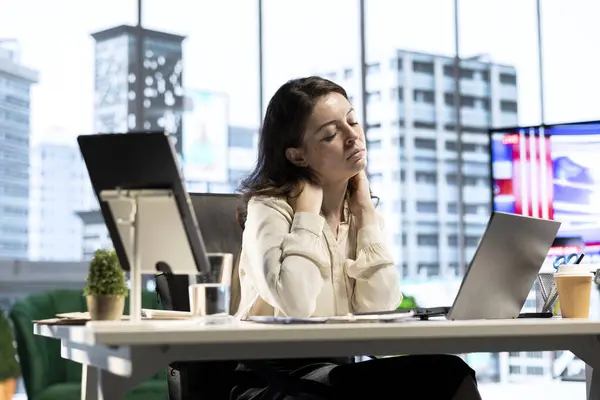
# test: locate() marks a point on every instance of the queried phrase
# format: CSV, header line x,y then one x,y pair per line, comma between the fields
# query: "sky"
x,y
302,37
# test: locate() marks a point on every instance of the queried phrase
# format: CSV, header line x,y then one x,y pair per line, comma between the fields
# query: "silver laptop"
x,y
504,267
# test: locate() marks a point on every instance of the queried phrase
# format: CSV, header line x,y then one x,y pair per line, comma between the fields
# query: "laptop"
x,y
502,271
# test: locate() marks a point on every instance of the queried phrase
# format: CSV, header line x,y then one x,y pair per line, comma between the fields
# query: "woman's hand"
x,y
361,205
306,197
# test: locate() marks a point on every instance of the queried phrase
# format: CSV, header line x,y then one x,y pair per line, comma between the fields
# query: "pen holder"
x,y
543,289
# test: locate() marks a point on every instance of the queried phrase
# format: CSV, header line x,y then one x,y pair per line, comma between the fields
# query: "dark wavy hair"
x,y
284,125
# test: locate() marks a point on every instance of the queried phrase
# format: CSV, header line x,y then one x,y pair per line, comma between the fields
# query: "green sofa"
x,y
46,374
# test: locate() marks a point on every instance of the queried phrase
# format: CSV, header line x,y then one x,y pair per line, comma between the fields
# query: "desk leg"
x,y
592,383
97,384
589,352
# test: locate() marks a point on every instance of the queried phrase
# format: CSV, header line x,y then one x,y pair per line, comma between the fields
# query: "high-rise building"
x,y
117,73
15,110
60,186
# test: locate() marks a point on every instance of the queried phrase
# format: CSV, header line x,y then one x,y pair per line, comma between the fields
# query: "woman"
x,y
313,245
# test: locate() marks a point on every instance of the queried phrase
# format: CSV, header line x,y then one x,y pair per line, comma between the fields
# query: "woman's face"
x,y
334,143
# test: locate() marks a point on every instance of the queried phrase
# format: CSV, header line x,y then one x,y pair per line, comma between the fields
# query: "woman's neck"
x,y
333,201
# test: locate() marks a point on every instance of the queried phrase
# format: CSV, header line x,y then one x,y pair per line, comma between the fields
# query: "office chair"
x,y
222,233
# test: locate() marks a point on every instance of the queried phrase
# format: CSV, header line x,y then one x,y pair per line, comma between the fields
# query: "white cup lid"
x,y
573,270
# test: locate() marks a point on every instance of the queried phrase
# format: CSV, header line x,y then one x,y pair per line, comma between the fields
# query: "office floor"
x,y
553,390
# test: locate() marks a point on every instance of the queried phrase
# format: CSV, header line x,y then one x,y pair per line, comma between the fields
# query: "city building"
x,y
15,85
116,85
59,187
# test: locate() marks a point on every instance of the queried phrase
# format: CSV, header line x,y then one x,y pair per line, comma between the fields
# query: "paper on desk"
x,y
350,318
146,314
396,317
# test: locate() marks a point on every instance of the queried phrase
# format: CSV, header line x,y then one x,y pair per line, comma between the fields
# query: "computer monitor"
x,y
146,161
552,172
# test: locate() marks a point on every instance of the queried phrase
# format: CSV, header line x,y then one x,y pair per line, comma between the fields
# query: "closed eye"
x,y
330,138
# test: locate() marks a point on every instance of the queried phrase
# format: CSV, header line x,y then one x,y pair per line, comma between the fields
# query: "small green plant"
x,y
105,277
9,366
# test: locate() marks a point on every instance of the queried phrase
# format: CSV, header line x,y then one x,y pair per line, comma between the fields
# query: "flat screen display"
x,y
551,172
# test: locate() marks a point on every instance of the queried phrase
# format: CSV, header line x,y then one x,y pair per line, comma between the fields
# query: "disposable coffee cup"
x,y
210,300
574,284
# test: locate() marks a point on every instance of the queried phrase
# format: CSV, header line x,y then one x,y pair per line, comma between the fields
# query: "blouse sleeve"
x,y
377,282
285,259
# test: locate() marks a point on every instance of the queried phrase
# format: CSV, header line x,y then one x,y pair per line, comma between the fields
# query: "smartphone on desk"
x,y
536,315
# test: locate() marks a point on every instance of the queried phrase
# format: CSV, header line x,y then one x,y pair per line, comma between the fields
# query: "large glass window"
x,y
78,71
571,81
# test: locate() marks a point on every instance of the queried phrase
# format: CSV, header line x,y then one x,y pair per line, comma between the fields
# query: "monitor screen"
x,y
552,172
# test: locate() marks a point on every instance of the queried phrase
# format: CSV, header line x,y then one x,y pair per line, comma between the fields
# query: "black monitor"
x,y
141,161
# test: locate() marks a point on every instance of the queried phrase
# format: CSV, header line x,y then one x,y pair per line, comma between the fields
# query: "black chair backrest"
x,y
222,233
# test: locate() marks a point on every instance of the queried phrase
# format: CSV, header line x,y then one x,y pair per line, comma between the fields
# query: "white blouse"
x,y
291,264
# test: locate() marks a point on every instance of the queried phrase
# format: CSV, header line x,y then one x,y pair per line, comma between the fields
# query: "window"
x,y
430,270
398,141
397,94
508,79
399,176
423,67
470,241
424,96
426,177
427,144
449,99
508,106
429,207
427,240
424,125
467,101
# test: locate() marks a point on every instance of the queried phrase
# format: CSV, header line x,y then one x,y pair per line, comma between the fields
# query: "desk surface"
x,y
189,332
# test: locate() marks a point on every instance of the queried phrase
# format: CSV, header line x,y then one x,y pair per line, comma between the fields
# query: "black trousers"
x,y
404,377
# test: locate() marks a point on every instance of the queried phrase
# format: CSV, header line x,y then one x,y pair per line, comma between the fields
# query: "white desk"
x,y
118,355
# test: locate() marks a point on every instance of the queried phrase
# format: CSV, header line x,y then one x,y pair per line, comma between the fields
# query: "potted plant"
x,y
9,367
106,287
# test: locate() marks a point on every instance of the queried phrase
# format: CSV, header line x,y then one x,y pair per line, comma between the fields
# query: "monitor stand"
x,y
153,235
